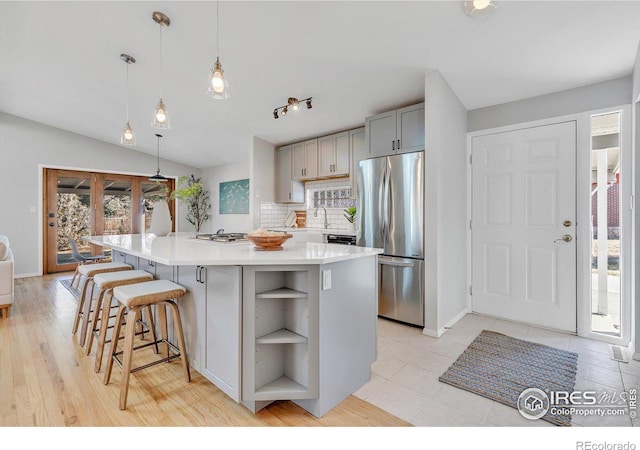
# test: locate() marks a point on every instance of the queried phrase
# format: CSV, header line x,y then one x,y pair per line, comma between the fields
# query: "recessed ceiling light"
x,y
478,8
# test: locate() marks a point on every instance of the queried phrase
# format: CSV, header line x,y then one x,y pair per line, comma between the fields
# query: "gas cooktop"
x,y
222,237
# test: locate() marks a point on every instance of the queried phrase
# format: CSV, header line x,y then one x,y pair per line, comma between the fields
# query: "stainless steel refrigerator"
x,y
390,205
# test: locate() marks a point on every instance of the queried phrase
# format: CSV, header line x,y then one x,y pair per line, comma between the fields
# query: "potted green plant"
x,y
350,215
190,191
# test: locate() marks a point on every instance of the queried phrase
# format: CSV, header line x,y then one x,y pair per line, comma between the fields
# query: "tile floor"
x,y
405,382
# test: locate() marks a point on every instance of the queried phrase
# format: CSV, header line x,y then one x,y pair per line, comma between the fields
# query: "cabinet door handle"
x,y
398,144
201,272
393,145
289,195
198,274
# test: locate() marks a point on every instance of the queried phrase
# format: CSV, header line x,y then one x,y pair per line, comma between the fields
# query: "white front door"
x,y
524,204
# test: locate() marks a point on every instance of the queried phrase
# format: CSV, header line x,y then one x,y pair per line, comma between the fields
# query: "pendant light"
x,y
218,84
128,136
479,9
161,116
157,176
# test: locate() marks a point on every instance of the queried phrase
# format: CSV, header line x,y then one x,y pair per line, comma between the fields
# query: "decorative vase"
x,y
351,227
160,219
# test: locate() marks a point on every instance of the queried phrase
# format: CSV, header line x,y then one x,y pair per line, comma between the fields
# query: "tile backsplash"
x,y
334,195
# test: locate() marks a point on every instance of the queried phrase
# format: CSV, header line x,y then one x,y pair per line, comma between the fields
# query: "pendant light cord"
x,y
217,28
158,172
127,91
161,72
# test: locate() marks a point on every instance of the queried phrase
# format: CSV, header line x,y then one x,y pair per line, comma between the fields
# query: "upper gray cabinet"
x,y
397,131
288,190
305,160
333,155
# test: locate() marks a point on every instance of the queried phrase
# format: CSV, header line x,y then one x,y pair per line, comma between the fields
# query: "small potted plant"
x,y
350,215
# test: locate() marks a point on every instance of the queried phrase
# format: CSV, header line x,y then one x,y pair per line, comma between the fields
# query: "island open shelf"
x,y
280,336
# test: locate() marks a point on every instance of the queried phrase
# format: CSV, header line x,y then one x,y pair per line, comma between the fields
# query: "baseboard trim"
x,y
439,332
28,275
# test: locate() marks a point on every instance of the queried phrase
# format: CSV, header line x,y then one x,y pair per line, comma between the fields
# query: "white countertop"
x,y
182,249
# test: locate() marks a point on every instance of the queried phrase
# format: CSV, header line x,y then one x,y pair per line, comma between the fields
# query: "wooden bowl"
x,y
269,243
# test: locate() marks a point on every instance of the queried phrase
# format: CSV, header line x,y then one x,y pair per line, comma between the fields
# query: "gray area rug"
x,y
500,367
66,282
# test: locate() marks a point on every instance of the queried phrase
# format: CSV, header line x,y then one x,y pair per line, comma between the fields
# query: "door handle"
x,y
398,144
566,238
393,145
52,224
567,223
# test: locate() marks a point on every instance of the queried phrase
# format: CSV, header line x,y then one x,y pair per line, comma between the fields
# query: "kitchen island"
x,y
297,324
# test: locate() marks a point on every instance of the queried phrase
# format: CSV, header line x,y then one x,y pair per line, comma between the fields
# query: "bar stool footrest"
x,y
176,354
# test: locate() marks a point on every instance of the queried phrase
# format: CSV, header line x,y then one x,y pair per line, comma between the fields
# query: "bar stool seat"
x,y
132,298
88,272
101,312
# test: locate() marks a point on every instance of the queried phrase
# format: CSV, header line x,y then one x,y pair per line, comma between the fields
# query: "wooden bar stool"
x,y
105,283
132,299
87,272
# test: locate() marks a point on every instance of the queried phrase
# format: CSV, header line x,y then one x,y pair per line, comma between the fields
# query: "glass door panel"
x,y
116,206
68,216
605,224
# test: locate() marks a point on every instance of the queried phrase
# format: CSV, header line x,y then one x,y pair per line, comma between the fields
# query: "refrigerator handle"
x,y
385,205
392,262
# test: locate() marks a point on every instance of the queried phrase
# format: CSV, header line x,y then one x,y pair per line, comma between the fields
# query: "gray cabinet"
x,y
210,312
191,306
288,190
305,160
397,131
358,153
333,155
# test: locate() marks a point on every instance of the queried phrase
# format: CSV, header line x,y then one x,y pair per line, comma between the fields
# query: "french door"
x,y
78,204
523,225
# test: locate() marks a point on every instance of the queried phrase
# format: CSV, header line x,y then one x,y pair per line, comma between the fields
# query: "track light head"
x,y
309,103
284,111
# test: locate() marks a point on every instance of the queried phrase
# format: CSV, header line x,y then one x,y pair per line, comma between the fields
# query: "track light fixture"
x,y
292,103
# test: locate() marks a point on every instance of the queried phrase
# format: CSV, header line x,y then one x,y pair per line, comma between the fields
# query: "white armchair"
x,y
6,276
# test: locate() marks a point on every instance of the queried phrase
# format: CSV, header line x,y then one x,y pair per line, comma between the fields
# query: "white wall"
x,y
445,204
635,289
588,98
24,146
212,177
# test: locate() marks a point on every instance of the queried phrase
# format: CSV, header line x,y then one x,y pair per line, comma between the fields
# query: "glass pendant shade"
x,y
128,136
161,117
218,84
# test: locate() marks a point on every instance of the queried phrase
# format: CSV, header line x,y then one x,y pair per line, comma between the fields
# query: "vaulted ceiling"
x,y
60,63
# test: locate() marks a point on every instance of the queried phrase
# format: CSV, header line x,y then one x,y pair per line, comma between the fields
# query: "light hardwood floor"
x,y
46,381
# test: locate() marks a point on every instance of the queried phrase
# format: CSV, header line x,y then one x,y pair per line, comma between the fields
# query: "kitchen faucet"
x,y
315,214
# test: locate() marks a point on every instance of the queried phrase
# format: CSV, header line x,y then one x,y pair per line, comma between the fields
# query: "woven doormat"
x,y
500,367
